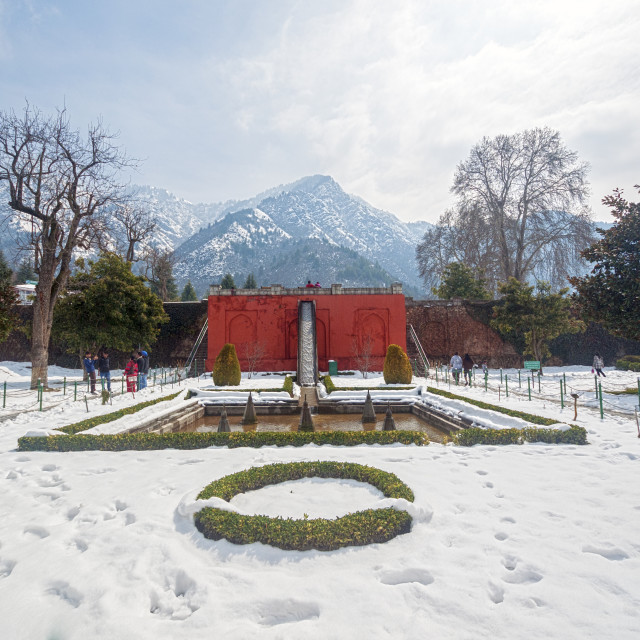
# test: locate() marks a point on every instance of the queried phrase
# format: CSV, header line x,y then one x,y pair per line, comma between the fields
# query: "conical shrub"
x,y
226,369
397,368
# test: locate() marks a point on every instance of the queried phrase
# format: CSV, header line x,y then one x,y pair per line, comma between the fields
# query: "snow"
x,y
531,541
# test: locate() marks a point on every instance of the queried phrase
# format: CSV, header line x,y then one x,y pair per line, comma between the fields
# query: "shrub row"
x,y
257,477
628,363
89,423
361,528
194,440
477,435
529,417
355,529
328,384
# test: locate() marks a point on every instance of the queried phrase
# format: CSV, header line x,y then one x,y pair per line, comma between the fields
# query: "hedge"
x,y
628,363
529,417
477,435
328,384
288,385
234,439
258,477
355,529
89,423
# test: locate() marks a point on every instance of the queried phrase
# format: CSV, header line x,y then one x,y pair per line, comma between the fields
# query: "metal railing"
x,y
425,361
196,346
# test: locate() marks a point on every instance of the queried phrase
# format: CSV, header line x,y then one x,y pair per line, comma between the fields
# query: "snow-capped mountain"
x,y
313,212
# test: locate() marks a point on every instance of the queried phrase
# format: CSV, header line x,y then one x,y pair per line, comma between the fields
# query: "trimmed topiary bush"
x,y
361,528
226,369
397,367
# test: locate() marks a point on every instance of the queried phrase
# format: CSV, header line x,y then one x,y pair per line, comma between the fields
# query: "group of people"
x,y
466,364
310,285
137,367
136,371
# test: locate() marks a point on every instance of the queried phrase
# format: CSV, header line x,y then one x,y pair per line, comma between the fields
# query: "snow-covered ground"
x,y
532,541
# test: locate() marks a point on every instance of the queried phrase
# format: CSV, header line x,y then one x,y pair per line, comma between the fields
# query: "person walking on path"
x,y
456,366
467,365
103,367
131,373
145,369
90,368
598,364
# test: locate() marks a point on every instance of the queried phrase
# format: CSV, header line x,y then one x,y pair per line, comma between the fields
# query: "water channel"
x,y
323,422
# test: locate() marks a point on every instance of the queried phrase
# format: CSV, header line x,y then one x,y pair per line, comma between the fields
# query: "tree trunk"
x,y
40,333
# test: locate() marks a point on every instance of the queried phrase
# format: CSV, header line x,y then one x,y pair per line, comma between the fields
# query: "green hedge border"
x,y
529,417
194,440
477,435
89,423
354,529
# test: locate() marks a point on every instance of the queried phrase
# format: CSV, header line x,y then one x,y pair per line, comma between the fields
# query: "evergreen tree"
x,y
25,272
611,294
460,281
107,305
250,282
226,368
539,317
188,293
228,282
397,368
8,298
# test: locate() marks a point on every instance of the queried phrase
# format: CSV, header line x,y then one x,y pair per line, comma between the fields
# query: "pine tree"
x,y
188,293
8,298
539,317
25,272
107,305
228,282
459,281
250,282
611,294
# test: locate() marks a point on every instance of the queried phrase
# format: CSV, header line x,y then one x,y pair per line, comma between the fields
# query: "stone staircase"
x,y
310,394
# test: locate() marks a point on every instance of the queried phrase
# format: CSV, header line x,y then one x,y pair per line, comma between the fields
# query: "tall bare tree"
x,y
159,265
60,183
521,211
137,223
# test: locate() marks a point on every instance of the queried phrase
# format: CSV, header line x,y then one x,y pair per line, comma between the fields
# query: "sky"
x,y
222,99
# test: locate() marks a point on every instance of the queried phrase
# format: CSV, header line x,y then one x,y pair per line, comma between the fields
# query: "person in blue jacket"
x,y
103,367
90,368
144,370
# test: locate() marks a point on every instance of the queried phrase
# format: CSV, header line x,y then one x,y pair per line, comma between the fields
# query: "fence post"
x,y
539,387
506,385
40,391
519,380
4,393
601,410
561,396
122,383
486,378
529,387
437,381
595,381
500,375
64,386
5,388
75,390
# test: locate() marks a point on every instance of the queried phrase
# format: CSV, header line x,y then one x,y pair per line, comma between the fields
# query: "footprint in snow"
x,y
271,613
482,473
495,593
6,567
610,553
508,519
406,576
65,592
39,532
501,535
50,467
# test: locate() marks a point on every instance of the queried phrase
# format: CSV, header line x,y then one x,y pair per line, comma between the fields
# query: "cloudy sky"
x,y
225,98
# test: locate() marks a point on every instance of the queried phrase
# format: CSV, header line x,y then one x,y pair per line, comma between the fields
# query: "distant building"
x,y
25,292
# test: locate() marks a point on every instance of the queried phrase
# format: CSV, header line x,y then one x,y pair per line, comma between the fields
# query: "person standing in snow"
x,y
144,371
467,365
103,367
598,364
456,366
131,373
90,368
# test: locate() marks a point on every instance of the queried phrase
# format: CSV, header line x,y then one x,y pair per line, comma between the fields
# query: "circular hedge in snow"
x,y
354,529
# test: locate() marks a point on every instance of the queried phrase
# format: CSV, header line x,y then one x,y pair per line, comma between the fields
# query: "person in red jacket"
x,y
131,373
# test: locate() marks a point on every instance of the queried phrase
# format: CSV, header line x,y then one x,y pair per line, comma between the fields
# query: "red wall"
x,y
271,322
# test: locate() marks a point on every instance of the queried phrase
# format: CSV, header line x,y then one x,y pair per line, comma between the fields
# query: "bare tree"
x,y
137,223
60,184
253,352
362,349
159,265
521,211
